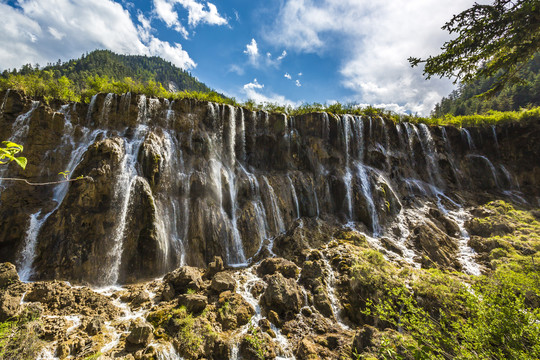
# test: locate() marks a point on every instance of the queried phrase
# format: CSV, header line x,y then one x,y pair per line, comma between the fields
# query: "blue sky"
x,y
286,51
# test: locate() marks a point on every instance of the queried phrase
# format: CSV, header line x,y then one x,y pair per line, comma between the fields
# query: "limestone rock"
x,y
222,281
140,334
437,247
233,310
272,265
282,295
214,267
9,304
8,274
184,278
194,303
95,325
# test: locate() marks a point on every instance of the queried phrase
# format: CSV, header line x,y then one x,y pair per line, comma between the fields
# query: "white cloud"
x,y
252,51
297,83
288,76
282,56
374,38
300,74
252,91
41,31
165,11
253,85
56,34
197,13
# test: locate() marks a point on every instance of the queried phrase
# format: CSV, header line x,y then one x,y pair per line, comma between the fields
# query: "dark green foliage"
x,y
496,38
105,63
464,101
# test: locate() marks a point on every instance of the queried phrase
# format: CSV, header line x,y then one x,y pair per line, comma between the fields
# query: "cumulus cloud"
x,y
197,13
297,83
252,51
41,31
282,56
253,91
374,39
165,11
288,76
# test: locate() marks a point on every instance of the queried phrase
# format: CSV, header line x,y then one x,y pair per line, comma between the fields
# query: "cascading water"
x,y
428,147
366,191
331,290
126,178
347,178
295,198
279,225
20,126
247,280
490,166
91,108
76,151
468,137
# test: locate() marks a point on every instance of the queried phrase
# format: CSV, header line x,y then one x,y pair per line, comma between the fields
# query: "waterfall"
x,y
465,133
4,101
347,178
279,226
142,115
124,184
490,165
331,291
494,133
247,280
295,198
21,125
106,108
76,152
366,191
27,255
91,108
428,146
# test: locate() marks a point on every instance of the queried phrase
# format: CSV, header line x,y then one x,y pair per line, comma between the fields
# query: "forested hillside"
x,y
105,63
463,101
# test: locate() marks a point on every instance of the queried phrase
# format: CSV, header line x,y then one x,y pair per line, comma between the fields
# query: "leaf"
x,y
21,161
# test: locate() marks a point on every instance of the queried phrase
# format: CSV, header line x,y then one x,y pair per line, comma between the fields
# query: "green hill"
x,y
103,63
522,95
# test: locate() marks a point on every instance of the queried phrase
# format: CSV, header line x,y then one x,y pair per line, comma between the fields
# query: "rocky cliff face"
x,y
178,183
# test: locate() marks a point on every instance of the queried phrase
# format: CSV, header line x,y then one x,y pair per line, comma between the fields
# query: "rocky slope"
x,y
269,235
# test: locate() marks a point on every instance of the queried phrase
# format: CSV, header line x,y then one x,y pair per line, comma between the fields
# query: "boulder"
x,y
233,310
95,325
194,303
184,278
140,334
272,265
8,274
10,304
437,248
214,267
222,281
282,295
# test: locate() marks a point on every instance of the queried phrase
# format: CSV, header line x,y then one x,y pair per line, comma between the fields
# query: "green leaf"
x,y
21,161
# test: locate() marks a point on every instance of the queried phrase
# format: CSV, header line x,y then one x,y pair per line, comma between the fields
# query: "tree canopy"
x,y
492,39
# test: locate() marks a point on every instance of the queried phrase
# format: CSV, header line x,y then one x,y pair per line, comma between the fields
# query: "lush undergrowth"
x,y
43,84
431,314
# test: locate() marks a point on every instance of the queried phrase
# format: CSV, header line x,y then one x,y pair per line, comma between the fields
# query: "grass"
x,y
45,86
